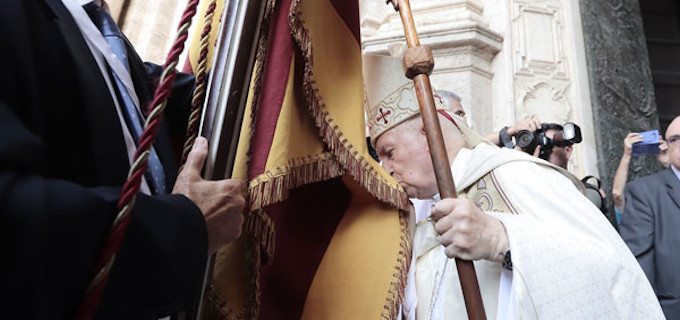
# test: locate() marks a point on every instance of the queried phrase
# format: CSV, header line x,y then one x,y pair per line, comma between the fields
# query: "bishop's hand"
x,y
467,232
221,201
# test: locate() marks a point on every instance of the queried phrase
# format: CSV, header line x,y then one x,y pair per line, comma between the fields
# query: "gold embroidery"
x,y
488,195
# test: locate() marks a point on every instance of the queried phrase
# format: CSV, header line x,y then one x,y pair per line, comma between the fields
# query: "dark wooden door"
x,y
661,19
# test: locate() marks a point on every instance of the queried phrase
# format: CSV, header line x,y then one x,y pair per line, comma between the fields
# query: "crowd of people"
x,y
541,248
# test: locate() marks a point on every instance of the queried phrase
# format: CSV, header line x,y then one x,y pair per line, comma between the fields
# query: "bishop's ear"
x,y
423,136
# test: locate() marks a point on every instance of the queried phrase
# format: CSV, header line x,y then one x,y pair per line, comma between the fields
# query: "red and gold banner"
x,y
324,236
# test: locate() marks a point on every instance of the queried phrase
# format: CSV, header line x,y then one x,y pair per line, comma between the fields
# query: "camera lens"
x,y
524,138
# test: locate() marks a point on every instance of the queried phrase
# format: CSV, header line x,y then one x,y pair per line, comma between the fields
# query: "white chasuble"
x,y
568,261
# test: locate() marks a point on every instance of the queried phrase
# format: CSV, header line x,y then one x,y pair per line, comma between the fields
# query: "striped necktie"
x,y
134,119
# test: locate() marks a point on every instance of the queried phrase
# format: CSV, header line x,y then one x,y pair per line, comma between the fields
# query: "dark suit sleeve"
x,y
637,226
52,230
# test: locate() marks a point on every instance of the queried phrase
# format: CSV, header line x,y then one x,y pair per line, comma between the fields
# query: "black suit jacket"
x,y
62,163
650,226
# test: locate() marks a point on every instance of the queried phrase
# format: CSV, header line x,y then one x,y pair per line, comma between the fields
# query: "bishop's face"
x,y
405,155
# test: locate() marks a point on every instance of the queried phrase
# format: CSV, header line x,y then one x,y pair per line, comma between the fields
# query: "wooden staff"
x,y
419,62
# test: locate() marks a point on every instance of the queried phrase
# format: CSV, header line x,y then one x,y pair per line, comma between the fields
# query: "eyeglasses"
x,y
673,141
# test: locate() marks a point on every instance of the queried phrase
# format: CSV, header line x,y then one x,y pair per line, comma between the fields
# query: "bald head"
x,y
673,128
673,138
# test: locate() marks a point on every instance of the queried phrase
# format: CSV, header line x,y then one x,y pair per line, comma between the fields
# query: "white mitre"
x,y
391,98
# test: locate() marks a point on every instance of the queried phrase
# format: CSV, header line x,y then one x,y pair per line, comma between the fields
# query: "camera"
x,y
565,135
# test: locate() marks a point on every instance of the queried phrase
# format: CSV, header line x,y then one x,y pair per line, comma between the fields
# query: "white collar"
x,y
84,2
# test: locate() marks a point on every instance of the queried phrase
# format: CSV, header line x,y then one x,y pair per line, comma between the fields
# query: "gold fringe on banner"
x,y
273,186
348,156
339,157
353,162
396,292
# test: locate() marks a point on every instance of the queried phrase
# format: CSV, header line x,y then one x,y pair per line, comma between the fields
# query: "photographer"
x,y
551,142
557,153
548,141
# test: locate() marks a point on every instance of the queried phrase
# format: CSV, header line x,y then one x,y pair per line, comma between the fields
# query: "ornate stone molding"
x,y
547,62
541,66
441,25
538,29
542,98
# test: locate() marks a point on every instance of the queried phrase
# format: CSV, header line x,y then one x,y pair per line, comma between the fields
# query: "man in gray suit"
x,y
651,226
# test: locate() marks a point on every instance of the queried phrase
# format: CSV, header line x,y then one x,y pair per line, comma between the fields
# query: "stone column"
x,y
463,45
620,80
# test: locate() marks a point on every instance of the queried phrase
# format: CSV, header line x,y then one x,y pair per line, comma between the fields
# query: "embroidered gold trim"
x,y
398,285
354,163
346,154
502,193
274,186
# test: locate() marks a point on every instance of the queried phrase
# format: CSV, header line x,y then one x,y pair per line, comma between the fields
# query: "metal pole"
x,y
226,97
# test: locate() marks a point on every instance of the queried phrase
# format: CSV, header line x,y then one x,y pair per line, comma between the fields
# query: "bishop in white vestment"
x,y
541,249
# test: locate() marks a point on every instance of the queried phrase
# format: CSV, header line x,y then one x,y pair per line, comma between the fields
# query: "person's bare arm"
x,y
622,172
493,137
